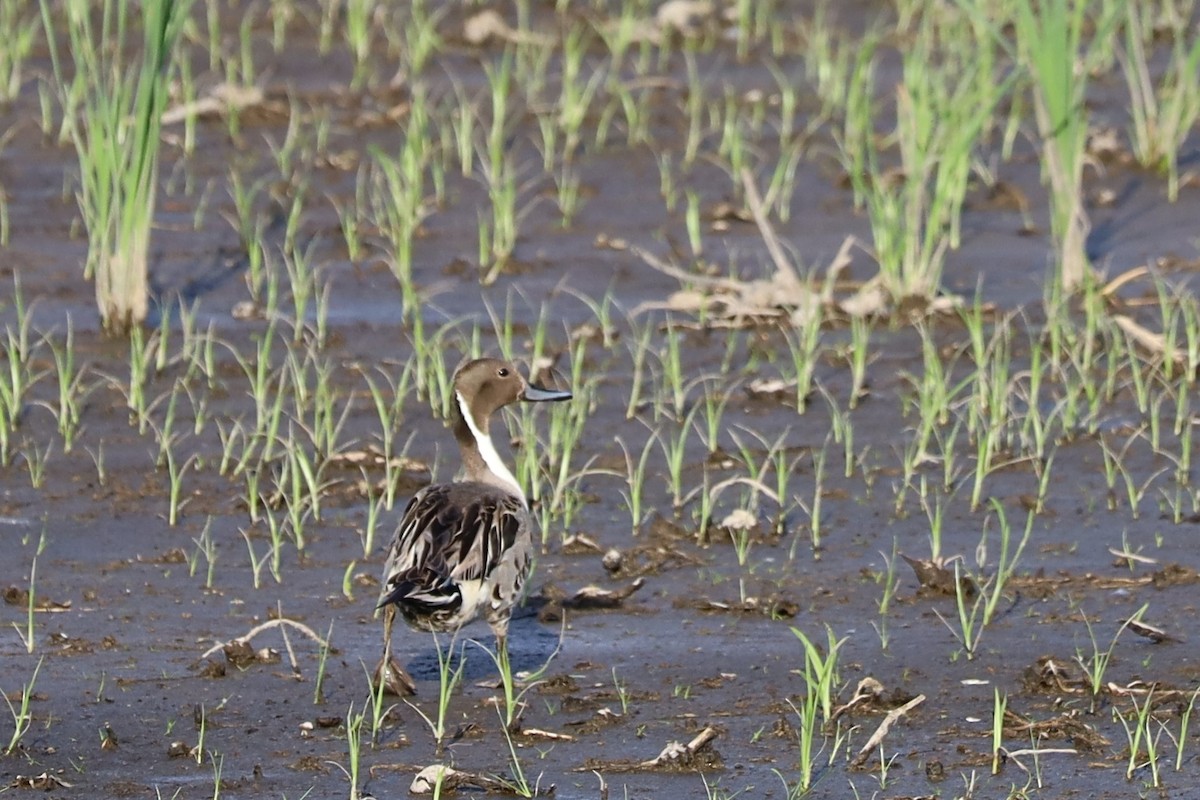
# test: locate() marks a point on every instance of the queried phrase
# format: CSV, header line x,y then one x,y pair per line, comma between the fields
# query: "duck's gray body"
x,y
463,549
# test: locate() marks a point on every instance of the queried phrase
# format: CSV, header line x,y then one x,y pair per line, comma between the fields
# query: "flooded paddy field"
x,y
823,519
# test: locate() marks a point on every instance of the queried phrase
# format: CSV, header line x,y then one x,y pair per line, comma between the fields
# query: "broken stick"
x,y
884,727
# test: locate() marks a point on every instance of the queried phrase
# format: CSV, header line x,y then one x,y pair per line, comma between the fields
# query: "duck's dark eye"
x,y
502,372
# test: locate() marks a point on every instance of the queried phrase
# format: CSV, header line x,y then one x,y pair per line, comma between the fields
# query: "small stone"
x,y
613,560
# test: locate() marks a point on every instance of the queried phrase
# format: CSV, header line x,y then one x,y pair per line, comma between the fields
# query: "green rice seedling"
x,y
140,351
841,428
98,462
856,101
1095,665
449,676
229,437
329,14
19,378
970,625
1140,736
639,349
567,184
517,783
421,39
397,188
548,146
375,504
975,613
1051,45
732,147
948,450
239,67
991,590
207,547
21,24
939,120
514,701
602,311
275,528
316,407
256,561
713,402
282,12
27,635
813,508
694,101
165,432
821,672
635,108
22,717
788,97
349,214
674,450
35,458
250,223
1161,115
375,703
116,138
499,233
175,473
820,680
358,34
303,281
1116,463
888,594
987,445
354,726
935,392
462,125
71,392
201,730
298,190
827,60
1185,718
253,497
808,731
673,385
1183,418
291,484
1189,313
322,660
804,348
667,188
704,513
782,186
284,154
566,432
577,92
935,513
692,220
635,482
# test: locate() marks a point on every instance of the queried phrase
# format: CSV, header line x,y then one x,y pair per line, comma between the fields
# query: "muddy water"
x,y
125,704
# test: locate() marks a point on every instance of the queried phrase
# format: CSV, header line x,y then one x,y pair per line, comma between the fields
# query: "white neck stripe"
x,y
488,451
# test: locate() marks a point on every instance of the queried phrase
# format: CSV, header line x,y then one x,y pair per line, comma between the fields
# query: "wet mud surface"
x,y
126,703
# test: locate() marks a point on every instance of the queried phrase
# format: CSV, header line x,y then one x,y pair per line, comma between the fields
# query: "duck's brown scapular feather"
x,y
452,534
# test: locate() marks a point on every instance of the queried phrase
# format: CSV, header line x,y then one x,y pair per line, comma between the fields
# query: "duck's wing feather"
x,y
449,533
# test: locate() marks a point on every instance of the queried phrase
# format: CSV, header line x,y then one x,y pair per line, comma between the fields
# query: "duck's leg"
x,y
389,675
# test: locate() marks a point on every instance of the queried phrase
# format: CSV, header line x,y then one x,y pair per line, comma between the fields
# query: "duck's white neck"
x,y
487,451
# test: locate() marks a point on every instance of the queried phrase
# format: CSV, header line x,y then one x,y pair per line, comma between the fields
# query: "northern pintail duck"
x,y
463,548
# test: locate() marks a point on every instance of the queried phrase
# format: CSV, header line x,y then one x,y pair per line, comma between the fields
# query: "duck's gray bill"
x,y
536,394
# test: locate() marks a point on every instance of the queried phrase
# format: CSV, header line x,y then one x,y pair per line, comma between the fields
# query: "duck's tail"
x,y
443,597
